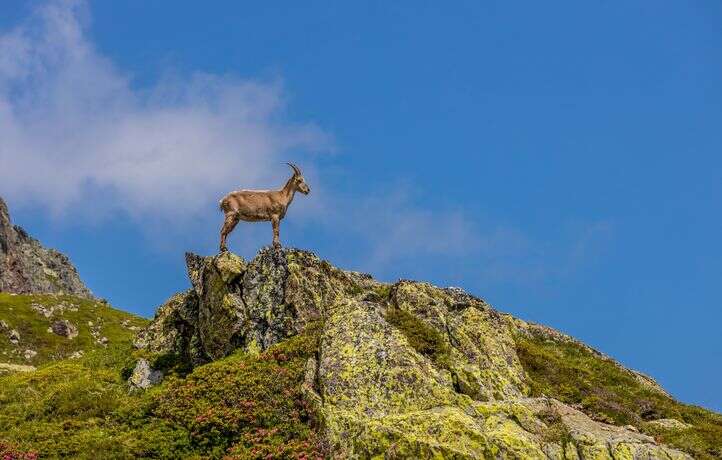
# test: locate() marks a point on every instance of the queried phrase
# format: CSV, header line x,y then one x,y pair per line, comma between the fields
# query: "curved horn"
x,y
295,168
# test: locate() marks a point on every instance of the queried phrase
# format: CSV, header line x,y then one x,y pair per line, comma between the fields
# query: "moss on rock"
x,y
407,370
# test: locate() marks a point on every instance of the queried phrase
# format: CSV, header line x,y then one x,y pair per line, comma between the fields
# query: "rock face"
x,y
26,267
143,376
403,370
64,328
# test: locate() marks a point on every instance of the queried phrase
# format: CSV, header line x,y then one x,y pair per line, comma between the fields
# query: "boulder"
x,y
64,328
143,376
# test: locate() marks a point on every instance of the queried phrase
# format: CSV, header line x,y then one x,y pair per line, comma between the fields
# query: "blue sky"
x,y
561,161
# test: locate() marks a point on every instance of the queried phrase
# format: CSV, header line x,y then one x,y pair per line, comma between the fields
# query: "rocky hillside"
x,y
46,312
410,370
286,356
26,267
39,328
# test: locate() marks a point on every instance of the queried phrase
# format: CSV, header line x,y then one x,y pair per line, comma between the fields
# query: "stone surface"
x,y
669,424
64,328
14,337
29,354
143,376
26,267
377,389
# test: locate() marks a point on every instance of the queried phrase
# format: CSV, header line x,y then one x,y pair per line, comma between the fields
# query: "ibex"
x,y
261,205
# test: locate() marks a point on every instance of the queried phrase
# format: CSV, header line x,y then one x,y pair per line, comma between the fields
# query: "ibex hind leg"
x,y
228,225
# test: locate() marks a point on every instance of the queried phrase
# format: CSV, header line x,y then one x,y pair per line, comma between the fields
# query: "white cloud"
x,y
78,140
76,135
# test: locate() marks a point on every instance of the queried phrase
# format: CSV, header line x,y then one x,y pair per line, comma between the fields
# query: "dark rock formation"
x,y
238,304
64,328
26,267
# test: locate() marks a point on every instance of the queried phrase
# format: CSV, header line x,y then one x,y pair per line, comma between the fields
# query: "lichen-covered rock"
x,y
599,440
143,376
406,370
482,353
220,307
669,424
26,267
172,327
232,304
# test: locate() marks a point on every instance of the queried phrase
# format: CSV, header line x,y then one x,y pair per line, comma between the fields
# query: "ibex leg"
x,y
275,221
228,225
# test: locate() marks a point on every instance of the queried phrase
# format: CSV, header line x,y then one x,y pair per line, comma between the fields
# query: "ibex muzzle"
x,y
261,205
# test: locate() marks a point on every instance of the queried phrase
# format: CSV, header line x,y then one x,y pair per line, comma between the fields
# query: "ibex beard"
x,y
261,205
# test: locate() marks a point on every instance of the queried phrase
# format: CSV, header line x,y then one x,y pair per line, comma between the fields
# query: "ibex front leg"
x,y
275,221
229,224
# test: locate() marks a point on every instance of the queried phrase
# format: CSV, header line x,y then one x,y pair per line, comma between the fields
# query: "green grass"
x,y
240,407
574,375
423,338
18,313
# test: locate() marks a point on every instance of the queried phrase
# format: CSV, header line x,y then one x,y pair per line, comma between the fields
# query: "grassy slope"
x,y
576,376
18,313
241,407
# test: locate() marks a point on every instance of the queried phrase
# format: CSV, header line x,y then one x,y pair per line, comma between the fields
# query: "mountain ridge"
x,y
288,356
26,267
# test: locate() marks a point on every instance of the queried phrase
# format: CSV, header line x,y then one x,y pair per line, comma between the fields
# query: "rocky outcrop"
x,y
237,304
143,376
26,267
64,328
403,370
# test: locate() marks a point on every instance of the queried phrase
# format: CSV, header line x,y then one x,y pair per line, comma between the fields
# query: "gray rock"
x,y
64,328
234,304
669,424
14,337
26,267
143,376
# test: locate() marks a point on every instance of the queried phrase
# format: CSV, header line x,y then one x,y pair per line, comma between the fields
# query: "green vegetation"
x,y
240,407
247,406
556,431
574,375
423,338
93,319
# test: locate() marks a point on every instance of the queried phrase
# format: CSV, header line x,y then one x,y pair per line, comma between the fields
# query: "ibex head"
x,y
299,183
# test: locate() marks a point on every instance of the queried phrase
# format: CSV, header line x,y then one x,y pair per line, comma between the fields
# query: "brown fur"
x,y
261,205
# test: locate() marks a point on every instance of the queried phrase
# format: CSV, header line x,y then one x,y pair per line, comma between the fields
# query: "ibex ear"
x,y
296,171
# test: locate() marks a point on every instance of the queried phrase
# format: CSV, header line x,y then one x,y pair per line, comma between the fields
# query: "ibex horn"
x,y
295,168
